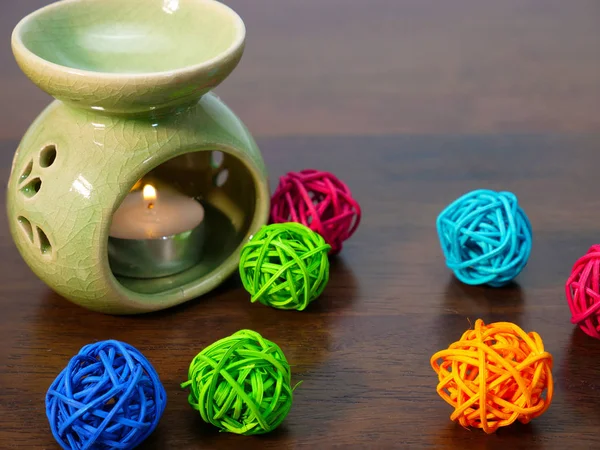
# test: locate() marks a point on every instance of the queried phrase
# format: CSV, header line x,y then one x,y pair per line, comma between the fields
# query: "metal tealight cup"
x,y
159,257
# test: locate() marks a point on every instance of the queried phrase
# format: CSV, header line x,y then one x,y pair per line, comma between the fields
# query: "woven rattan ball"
x,y
108,396
583,292
241,384
285,266
486,237
319,200
495,374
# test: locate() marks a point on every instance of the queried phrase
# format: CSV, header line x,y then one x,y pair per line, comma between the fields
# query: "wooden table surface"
x,y
412,103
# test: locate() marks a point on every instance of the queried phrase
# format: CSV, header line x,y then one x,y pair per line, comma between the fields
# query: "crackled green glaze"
x,y
76,164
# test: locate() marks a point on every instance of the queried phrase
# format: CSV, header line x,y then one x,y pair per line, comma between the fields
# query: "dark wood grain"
x,y
363,349
390,66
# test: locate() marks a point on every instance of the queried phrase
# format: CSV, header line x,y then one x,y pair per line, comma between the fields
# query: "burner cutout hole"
x,y
221,178
27,171
45,246
216,159
26,227
47,156
32,188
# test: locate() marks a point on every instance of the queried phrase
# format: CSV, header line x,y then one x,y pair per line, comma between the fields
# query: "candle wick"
x,y
150,205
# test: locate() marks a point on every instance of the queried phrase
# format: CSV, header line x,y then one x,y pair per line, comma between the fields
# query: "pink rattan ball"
x,y
318,200
583,292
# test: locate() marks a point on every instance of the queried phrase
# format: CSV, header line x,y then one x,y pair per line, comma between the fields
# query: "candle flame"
x,y
149,194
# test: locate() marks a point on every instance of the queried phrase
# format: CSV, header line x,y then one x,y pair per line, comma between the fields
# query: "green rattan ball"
x,y
285,266
241,384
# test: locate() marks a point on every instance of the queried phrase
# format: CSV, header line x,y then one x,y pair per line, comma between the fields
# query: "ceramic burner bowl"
x,y
129,56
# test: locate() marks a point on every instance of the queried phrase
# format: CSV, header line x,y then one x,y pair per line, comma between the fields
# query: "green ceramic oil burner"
x,y
133,112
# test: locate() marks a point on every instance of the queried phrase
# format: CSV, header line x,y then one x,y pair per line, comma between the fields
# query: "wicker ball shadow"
x,y
494,375
320,201
486,237
108,396
583,292
241,384
285,266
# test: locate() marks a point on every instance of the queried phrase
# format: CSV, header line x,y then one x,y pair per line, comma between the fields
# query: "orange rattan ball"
x,y
495,374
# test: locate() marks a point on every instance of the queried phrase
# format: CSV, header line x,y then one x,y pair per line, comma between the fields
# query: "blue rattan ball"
x,y
108,397
485,237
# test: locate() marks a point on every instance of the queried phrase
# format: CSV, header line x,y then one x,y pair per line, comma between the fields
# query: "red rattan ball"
x,y
583,292
318,200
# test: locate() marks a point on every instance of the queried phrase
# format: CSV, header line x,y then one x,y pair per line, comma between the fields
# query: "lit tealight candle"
x,y
154,235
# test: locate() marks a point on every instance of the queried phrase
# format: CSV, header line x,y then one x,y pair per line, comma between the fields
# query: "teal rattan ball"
x,y
285,266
